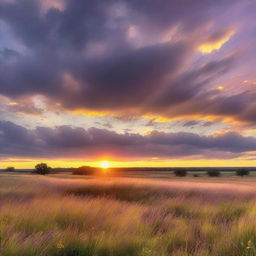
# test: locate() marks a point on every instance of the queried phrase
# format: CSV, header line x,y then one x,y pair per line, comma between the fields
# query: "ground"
x,y
133,215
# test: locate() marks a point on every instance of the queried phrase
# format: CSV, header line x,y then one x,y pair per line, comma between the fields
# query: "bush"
x,y
242,172
195,175
42,169
84,170
213,173
180,172
10,169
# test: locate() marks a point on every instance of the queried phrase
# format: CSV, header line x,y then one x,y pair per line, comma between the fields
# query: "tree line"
x,y
44,169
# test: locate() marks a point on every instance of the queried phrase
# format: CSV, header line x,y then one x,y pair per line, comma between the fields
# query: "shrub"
x,y
84,170
42,169
180,172
213,173
195,175
10,169
242,172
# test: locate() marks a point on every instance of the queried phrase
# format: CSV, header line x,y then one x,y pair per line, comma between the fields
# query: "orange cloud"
x,y
213,44
220,88
249,82
47,4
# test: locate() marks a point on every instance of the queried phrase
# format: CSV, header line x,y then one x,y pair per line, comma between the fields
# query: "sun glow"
x,y
104,164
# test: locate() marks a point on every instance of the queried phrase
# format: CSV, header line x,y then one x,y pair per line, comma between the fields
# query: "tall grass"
x,y
47,216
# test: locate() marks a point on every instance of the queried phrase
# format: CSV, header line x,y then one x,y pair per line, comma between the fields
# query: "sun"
x,y
104,164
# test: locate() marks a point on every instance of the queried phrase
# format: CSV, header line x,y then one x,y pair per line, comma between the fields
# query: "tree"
x,y
84,170
180,172
242,172
213,173
10,169
42,169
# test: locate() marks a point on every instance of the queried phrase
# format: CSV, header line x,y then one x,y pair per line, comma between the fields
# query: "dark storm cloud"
x,y
127,79
240,106
73,142
81,21
125,76
17,140
28,75
163,13
24,18
187,94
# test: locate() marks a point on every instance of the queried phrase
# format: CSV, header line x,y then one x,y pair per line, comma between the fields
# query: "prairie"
x,y
63,215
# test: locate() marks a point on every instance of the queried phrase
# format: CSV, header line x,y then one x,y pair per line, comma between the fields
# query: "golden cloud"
x,y
211,45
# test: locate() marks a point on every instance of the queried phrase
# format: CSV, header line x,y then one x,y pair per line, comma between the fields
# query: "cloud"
x,y
7,53
191,123
124,80
76,142
215,41
77,55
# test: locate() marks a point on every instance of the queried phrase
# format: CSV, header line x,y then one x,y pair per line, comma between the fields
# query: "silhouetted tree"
x,y
10,169
84,170
213,173
242,172
42,169
180,172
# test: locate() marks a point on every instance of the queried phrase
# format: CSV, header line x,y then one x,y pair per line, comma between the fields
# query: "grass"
x,y
53,216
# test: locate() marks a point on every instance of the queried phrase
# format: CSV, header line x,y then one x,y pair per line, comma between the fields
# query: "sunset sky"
x,y
132,82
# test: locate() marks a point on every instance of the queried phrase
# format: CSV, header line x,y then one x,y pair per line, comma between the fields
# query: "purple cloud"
x,y
65,141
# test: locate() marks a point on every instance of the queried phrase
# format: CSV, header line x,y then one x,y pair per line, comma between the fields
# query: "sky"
x,y
136,83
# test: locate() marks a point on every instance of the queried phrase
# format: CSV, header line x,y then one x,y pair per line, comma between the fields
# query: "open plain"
x,y
84,215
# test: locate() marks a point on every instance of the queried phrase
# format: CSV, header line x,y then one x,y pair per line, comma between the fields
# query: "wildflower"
x,y
146,251
249,244
60,245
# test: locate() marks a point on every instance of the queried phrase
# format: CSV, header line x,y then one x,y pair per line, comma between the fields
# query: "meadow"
x,y
65,215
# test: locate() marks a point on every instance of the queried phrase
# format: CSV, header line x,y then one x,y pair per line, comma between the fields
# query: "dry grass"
x,y
50,216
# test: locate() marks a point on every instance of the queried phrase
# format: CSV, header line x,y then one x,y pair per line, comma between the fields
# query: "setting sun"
x,y
104,164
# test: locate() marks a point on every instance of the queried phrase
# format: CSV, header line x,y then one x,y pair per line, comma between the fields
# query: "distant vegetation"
x,y
180,172
42,169
84,170
213,173
10,169
242,172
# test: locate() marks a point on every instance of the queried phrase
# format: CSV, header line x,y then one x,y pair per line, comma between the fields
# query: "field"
x,y
65,215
